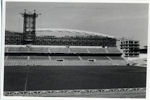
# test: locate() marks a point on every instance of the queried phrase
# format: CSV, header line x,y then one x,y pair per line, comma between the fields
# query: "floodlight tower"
x,y
29,27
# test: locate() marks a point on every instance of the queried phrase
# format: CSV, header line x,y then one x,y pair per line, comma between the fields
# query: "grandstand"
x,y
62,55
62,49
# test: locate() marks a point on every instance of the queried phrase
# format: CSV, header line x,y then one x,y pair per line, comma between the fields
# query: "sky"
x,y
128,20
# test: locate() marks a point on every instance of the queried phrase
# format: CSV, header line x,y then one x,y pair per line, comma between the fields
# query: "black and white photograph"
x,y
75,49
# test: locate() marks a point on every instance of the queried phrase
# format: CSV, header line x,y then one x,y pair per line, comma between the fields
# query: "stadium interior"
x,y
34,63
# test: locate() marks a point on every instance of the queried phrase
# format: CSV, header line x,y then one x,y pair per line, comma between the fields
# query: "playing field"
x,y
20,78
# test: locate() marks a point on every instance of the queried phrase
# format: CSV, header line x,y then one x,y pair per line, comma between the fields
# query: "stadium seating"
x,y
17,57
6,49
97,50
118,60
103,62
11,49
39,63
38,50
16,62
65,57
17,49
94,57
39,57
23,49
62,50
59,50
64,60
113,50
78,50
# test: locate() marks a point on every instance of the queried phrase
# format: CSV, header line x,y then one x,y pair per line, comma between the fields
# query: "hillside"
x,y
62,37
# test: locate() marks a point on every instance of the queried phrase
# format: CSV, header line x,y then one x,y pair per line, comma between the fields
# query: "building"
x,y
130,48
143,50
141,60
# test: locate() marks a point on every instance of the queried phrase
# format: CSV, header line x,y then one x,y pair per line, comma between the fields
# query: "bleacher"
x,y
39,57
17,57
78,50
6,49
38,50
92,50
59,50
17,49
113,50
118,60
43,63
16,62
62,61
94,57
97,50
65,58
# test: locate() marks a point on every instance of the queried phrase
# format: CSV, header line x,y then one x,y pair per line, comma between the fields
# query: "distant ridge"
x,y
63,33
67,32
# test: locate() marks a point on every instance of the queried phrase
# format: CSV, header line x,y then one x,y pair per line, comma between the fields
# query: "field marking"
x,y
26,81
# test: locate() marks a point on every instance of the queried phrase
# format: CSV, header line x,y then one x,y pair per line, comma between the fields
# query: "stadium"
x,y
82,64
